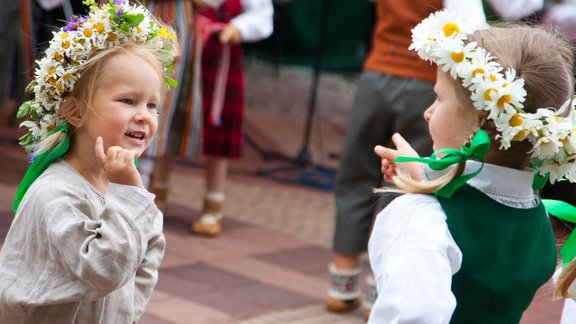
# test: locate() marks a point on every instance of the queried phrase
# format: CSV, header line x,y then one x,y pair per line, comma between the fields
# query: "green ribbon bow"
x,y
40,163
479,146
567,212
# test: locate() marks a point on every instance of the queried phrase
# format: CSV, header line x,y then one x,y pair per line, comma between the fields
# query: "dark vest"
x,y
508,253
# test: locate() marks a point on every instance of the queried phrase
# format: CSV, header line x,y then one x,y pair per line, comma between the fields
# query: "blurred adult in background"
x,y
394,90
227,25
9,17
180,122
207,108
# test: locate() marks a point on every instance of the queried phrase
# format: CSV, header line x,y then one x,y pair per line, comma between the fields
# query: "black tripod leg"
x,y
303,158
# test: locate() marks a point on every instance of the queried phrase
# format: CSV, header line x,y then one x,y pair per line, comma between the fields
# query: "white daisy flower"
x,y
554,170
451,56
480,67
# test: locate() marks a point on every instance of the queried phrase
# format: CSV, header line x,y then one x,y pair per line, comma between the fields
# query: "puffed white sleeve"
x,y
471,10
256,20
413,257
516,9
213,3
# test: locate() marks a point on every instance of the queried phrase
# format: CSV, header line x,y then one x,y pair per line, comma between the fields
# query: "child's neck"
x,y
89,170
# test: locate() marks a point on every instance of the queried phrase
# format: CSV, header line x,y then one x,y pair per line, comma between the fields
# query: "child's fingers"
x,y
399,141
129,157
99,150
113,153
385,153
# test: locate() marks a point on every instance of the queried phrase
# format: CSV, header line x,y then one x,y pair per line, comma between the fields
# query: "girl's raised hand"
x,y
118,164
388,155
230,34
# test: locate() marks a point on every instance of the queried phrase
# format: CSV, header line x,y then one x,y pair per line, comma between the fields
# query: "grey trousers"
x,y
9,27
384,105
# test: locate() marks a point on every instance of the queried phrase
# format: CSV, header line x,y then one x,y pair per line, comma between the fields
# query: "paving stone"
x,y
311,260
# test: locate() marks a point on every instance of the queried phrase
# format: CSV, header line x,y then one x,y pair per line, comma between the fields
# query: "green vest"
x,y
507,254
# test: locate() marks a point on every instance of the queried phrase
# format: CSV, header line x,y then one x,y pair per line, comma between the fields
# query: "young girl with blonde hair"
x,y
86,242
478,249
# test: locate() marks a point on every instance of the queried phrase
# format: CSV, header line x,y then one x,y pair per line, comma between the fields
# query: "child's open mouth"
x,y
139,136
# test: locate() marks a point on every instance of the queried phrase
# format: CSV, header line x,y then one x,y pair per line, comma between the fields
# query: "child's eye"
x,y
127,101
151,106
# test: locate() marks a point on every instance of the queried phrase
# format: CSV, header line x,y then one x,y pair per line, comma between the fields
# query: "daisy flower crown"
x,y
107,25
440,39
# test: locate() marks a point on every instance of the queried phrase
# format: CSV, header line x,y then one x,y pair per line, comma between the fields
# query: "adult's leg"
x,y
358,174
384,105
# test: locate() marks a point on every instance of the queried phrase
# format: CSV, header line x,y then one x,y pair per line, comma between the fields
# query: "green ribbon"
x,y
567,212
40,163
539,181
479,146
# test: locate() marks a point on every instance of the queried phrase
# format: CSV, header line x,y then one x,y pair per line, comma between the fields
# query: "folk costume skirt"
x,y
180,124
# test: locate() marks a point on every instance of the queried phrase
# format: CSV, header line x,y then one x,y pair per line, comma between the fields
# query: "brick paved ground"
x,y
269,266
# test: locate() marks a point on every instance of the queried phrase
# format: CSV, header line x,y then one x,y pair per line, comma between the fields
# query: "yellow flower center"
x,y
492,77
451,28
138,29
520,136
516,120
164,33
488,94
555,118
111,37
564,140
477,71
65,45
505,99
82,41
58,57
458,57
66,76
64,36
99,28
52,70
87,32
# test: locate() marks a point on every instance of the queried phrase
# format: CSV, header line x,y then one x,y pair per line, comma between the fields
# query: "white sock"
x,y
215,196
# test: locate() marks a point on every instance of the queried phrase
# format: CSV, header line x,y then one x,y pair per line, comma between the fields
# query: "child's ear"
x,y
71,110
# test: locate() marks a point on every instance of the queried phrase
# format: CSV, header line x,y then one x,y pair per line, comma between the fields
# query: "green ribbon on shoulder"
x,y
40,163
567,212
479,146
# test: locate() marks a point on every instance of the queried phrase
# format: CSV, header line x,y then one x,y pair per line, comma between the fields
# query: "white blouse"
x,y
413,255
256,20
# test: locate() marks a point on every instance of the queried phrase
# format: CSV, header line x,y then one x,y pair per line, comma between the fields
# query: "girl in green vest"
x,y
471,242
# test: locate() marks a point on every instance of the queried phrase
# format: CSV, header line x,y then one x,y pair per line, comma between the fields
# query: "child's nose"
x,y
428,114
145,115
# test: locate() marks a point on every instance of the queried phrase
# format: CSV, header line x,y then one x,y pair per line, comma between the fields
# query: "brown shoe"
x,y
341,306
344,292
210,222
204,228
